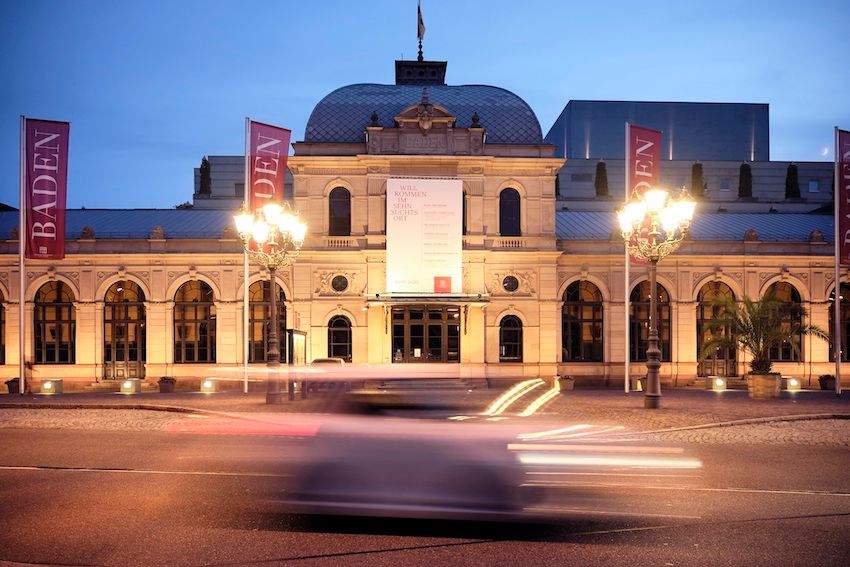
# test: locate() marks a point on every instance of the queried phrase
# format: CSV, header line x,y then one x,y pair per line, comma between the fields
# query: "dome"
x,y
343,115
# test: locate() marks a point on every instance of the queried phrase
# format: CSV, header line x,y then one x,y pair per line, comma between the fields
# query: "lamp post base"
x,y
274,397
652,401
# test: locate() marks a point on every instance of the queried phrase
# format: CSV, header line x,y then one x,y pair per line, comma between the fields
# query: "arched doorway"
x,y
723,361
124,331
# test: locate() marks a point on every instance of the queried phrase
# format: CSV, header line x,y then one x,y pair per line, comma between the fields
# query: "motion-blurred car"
x,y
408,467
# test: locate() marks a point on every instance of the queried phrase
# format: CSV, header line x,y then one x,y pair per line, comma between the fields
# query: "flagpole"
x,y
245,305
22,232
626,284
836,327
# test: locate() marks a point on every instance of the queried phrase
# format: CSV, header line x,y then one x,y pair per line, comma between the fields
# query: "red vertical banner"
x,y
269,148
643,163
643,159
45,187
842,195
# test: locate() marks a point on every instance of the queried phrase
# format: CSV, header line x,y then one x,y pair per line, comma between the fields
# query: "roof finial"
x,y
420,28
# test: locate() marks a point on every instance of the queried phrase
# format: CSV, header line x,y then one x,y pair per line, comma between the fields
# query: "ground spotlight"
x,y
716,383
51,387
131,386
208,386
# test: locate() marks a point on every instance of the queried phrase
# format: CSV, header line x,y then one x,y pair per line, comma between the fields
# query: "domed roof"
x,y
343,115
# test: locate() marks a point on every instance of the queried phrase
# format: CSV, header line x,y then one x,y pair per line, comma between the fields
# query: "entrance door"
x,y
721,362
124,332
429,333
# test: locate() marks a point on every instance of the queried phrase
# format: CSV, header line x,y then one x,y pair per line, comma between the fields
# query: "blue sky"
x,y
151,87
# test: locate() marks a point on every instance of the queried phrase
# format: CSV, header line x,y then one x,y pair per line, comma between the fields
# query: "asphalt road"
x,y
123,497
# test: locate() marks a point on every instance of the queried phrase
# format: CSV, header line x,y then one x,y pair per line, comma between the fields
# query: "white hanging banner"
x,y
424,240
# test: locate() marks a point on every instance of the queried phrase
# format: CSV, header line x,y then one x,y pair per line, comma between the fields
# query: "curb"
x,y
187,410
750,421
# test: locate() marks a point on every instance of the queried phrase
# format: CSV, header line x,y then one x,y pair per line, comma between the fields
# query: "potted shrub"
x,y
755,327
826,381
166,384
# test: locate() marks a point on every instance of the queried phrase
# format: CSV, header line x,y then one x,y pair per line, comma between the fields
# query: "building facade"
x,y
149,293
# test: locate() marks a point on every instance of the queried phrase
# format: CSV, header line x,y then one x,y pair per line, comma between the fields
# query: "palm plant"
x,y
757,326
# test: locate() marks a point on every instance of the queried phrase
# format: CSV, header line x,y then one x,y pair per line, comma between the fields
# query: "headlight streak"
x,y
609,461
539,402
504,401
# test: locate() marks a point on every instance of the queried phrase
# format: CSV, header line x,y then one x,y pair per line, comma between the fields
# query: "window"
x,y
194,323
339,212
639,322
581,323
124,331
844,322
54,317
509,224
510,284
339,284
463,232
786,352
259,321
722,362
510,339
339,338
814,185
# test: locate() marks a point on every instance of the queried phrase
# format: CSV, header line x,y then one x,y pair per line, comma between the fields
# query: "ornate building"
x,y
149,293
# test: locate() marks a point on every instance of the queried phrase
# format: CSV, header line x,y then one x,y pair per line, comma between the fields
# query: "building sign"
x,y
842,194
45,186
424,241
269,148
643,164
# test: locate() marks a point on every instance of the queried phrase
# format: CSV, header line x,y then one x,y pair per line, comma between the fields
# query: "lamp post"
x,y
273,239
653,225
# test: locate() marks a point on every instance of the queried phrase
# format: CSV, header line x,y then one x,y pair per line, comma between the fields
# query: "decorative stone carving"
x,y
324,278
157,233
816,236
751,235
87,233
527,283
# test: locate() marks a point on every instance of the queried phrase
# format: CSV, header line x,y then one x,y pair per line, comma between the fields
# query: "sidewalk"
x,y
680,408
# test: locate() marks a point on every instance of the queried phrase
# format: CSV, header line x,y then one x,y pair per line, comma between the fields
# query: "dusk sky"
x,y
151,87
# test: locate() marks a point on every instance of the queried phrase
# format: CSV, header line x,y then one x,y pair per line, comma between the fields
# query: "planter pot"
x,y
565,383
827,383
763,386
166,385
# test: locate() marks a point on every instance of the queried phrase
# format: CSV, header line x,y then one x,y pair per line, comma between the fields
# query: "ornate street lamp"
x,y
272,239
653,225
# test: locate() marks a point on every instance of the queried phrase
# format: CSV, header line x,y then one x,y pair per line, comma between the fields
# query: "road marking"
x,y
687,488
137,471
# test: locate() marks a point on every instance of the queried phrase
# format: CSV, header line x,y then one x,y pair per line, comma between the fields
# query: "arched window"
x,y
510,339
844,322
339,337
2,329
722,362
509,224
260,314
581,323
54,317
787,293
124,331
339,212
194,323
639,322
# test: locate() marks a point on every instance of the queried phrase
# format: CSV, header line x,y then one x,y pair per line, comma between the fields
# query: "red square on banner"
x,y
442,284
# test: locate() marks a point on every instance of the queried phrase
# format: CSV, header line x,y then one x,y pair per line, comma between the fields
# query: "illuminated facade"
x,y
154,293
